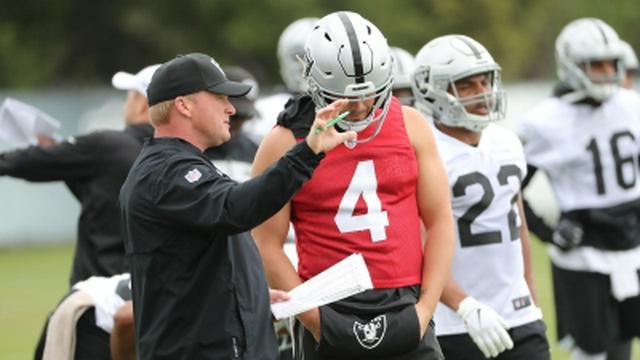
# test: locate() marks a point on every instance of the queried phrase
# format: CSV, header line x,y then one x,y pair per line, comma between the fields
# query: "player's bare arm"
x,y
452,294
435,211
271,235
526,251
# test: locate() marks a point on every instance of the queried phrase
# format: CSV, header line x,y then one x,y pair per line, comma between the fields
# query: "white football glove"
x,y
487,329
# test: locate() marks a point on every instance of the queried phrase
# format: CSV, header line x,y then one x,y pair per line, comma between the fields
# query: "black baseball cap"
x,y
188,74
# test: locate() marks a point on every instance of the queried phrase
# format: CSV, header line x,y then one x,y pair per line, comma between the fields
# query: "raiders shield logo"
x,y
370,335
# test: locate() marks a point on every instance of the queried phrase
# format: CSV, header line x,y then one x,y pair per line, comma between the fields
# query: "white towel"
x,y
61,331
624,282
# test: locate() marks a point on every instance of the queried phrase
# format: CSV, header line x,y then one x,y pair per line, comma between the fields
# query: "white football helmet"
x,y
442,62
581,42
403,63
291,50
629,57
346,56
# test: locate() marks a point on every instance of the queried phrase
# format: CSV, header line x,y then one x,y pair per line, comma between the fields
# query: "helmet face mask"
x,y
443,62
375,100
581,43
346,56
491,100
597,77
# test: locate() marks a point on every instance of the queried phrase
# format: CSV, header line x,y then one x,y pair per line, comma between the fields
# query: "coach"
x,y
198,292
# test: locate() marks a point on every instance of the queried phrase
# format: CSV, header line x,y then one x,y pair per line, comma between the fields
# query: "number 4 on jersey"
x,y
365,183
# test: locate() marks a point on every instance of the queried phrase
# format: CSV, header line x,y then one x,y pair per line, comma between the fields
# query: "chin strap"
x,y
574,96
580,96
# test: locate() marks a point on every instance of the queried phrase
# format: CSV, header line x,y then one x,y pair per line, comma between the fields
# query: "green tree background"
x,y
72,42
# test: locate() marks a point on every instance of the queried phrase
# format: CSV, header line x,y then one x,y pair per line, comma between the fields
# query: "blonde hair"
x,y
160,112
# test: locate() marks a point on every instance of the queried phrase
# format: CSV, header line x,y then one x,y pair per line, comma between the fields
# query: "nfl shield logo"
x,y
193,176
370,335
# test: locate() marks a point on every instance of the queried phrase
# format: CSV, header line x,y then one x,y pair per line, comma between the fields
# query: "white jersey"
x,y
268,109
108,294
488,261
590,154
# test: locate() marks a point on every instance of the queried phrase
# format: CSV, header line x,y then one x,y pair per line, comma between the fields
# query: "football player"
x,y
403,63
368,196
586,139
488,307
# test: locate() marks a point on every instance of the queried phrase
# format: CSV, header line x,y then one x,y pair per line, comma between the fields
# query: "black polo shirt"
x,y
199,289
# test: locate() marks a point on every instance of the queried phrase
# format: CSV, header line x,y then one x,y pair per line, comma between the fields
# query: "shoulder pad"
x,y
298,115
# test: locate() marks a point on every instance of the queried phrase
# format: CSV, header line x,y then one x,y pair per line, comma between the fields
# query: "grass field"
x,y
34,279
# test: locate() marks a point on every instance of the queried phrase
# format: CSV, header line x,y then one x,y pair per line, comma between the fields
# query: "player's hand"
x,y
322,138
568,234
44,140
277,296
487,329
423,319
311,321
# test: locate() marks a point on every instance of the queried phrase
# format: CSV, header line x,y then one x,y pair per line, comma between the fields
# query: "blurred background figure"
x,y
403,64
630,61
235,156
586,138
93,167
82,325
290,54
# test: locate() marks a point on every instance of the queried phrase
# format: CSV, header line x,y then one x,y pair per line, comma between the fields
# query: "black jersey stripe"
x,y
355,48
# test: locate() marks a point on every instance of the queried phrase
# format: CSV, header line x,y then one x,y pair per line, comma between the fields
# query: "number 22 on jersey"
x,y
467,237
363,183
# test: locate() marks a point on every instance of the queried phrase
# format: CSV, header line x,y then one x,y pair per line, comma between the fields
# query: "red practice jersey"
x,y
363,200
